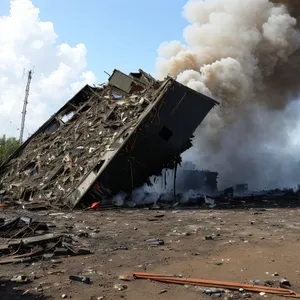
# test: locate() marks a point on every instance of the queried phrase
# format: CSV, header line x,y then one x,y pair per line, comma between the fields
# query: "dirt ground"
x,y
248,245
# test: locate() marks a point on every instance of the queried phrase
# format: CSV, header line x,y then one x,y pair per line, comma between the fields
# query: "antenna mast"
x,y
30,73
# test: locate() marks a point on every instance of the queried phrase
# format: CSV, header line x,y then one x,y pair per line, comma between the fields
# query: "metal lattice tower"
x,y
30,73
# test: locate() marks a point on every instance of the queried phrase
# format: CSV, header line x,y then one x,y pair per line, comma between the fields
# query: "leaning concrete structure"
x,y
105,140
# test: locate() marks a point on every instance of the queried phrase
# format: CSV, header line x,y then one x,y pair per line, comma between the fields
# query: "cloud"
x,y
59,69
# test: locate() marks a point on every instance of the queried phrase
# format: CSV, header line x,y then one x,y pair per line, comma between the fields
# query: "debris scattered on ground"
x,y
218,284
270,283
255,282
214,291
159,216
20,279
120,287
26,292
121,248
284,283
21,228
238,262
25,240
155,242
126,277
82,279
247,295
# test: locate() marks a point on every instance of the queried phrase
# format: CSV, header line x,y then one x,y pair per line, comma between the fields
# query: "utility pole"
x,y
30,73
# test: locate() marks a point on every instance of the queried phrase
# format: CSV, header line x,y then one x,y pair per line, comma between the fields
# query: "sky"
x,y
71,43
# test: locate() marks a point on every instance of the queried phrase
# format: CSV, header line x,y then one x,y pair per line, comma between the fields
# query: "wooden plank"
x,y
30,240
35,239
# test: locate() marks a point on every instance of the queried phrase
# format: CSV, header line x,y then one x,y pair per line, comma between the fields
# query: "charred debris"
x,y
24,240
105,140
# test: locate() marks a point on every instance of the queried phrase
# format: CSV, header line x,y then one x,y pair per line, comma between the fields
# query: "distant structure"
x,y
30,73
189,177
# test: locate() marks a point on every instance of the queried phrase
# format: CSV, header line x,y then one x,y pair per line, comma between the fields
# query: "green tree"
x,y
7,147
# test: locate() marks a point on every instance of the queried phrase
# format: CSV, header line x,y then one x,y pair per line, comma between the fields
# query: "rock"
x,y
247,295
64,296
126,277
159,216
219,295
235,296
214,291
162,291
122,248
209,238
83,234
284,283
120,287
255,282
269,283
20,279
83,279
155,242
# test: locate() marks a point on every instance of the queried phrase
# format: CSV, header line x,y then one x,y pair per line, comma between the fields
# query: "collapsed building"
x,y
105,140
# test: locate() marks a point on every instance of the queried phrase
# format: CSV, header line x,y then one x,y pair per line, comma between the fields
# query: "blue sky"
x,y
117,33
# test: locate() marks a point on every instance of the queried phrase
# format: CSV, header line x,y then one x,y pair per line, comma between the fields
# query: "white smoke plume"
x,y
243,53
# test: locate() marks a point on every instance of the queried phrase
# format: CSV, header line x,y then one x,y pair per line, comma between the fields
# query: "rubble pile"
x,y
25,240
255,199
92,143
21,228
227,199
54,164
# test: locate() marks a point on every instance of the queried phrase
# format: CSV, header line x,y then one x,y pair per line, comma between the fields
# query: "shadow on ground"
x,y
11,291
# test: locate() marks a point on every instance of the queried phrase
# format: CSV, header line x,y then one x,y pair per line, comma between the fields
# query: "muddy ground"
x,y
248,245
